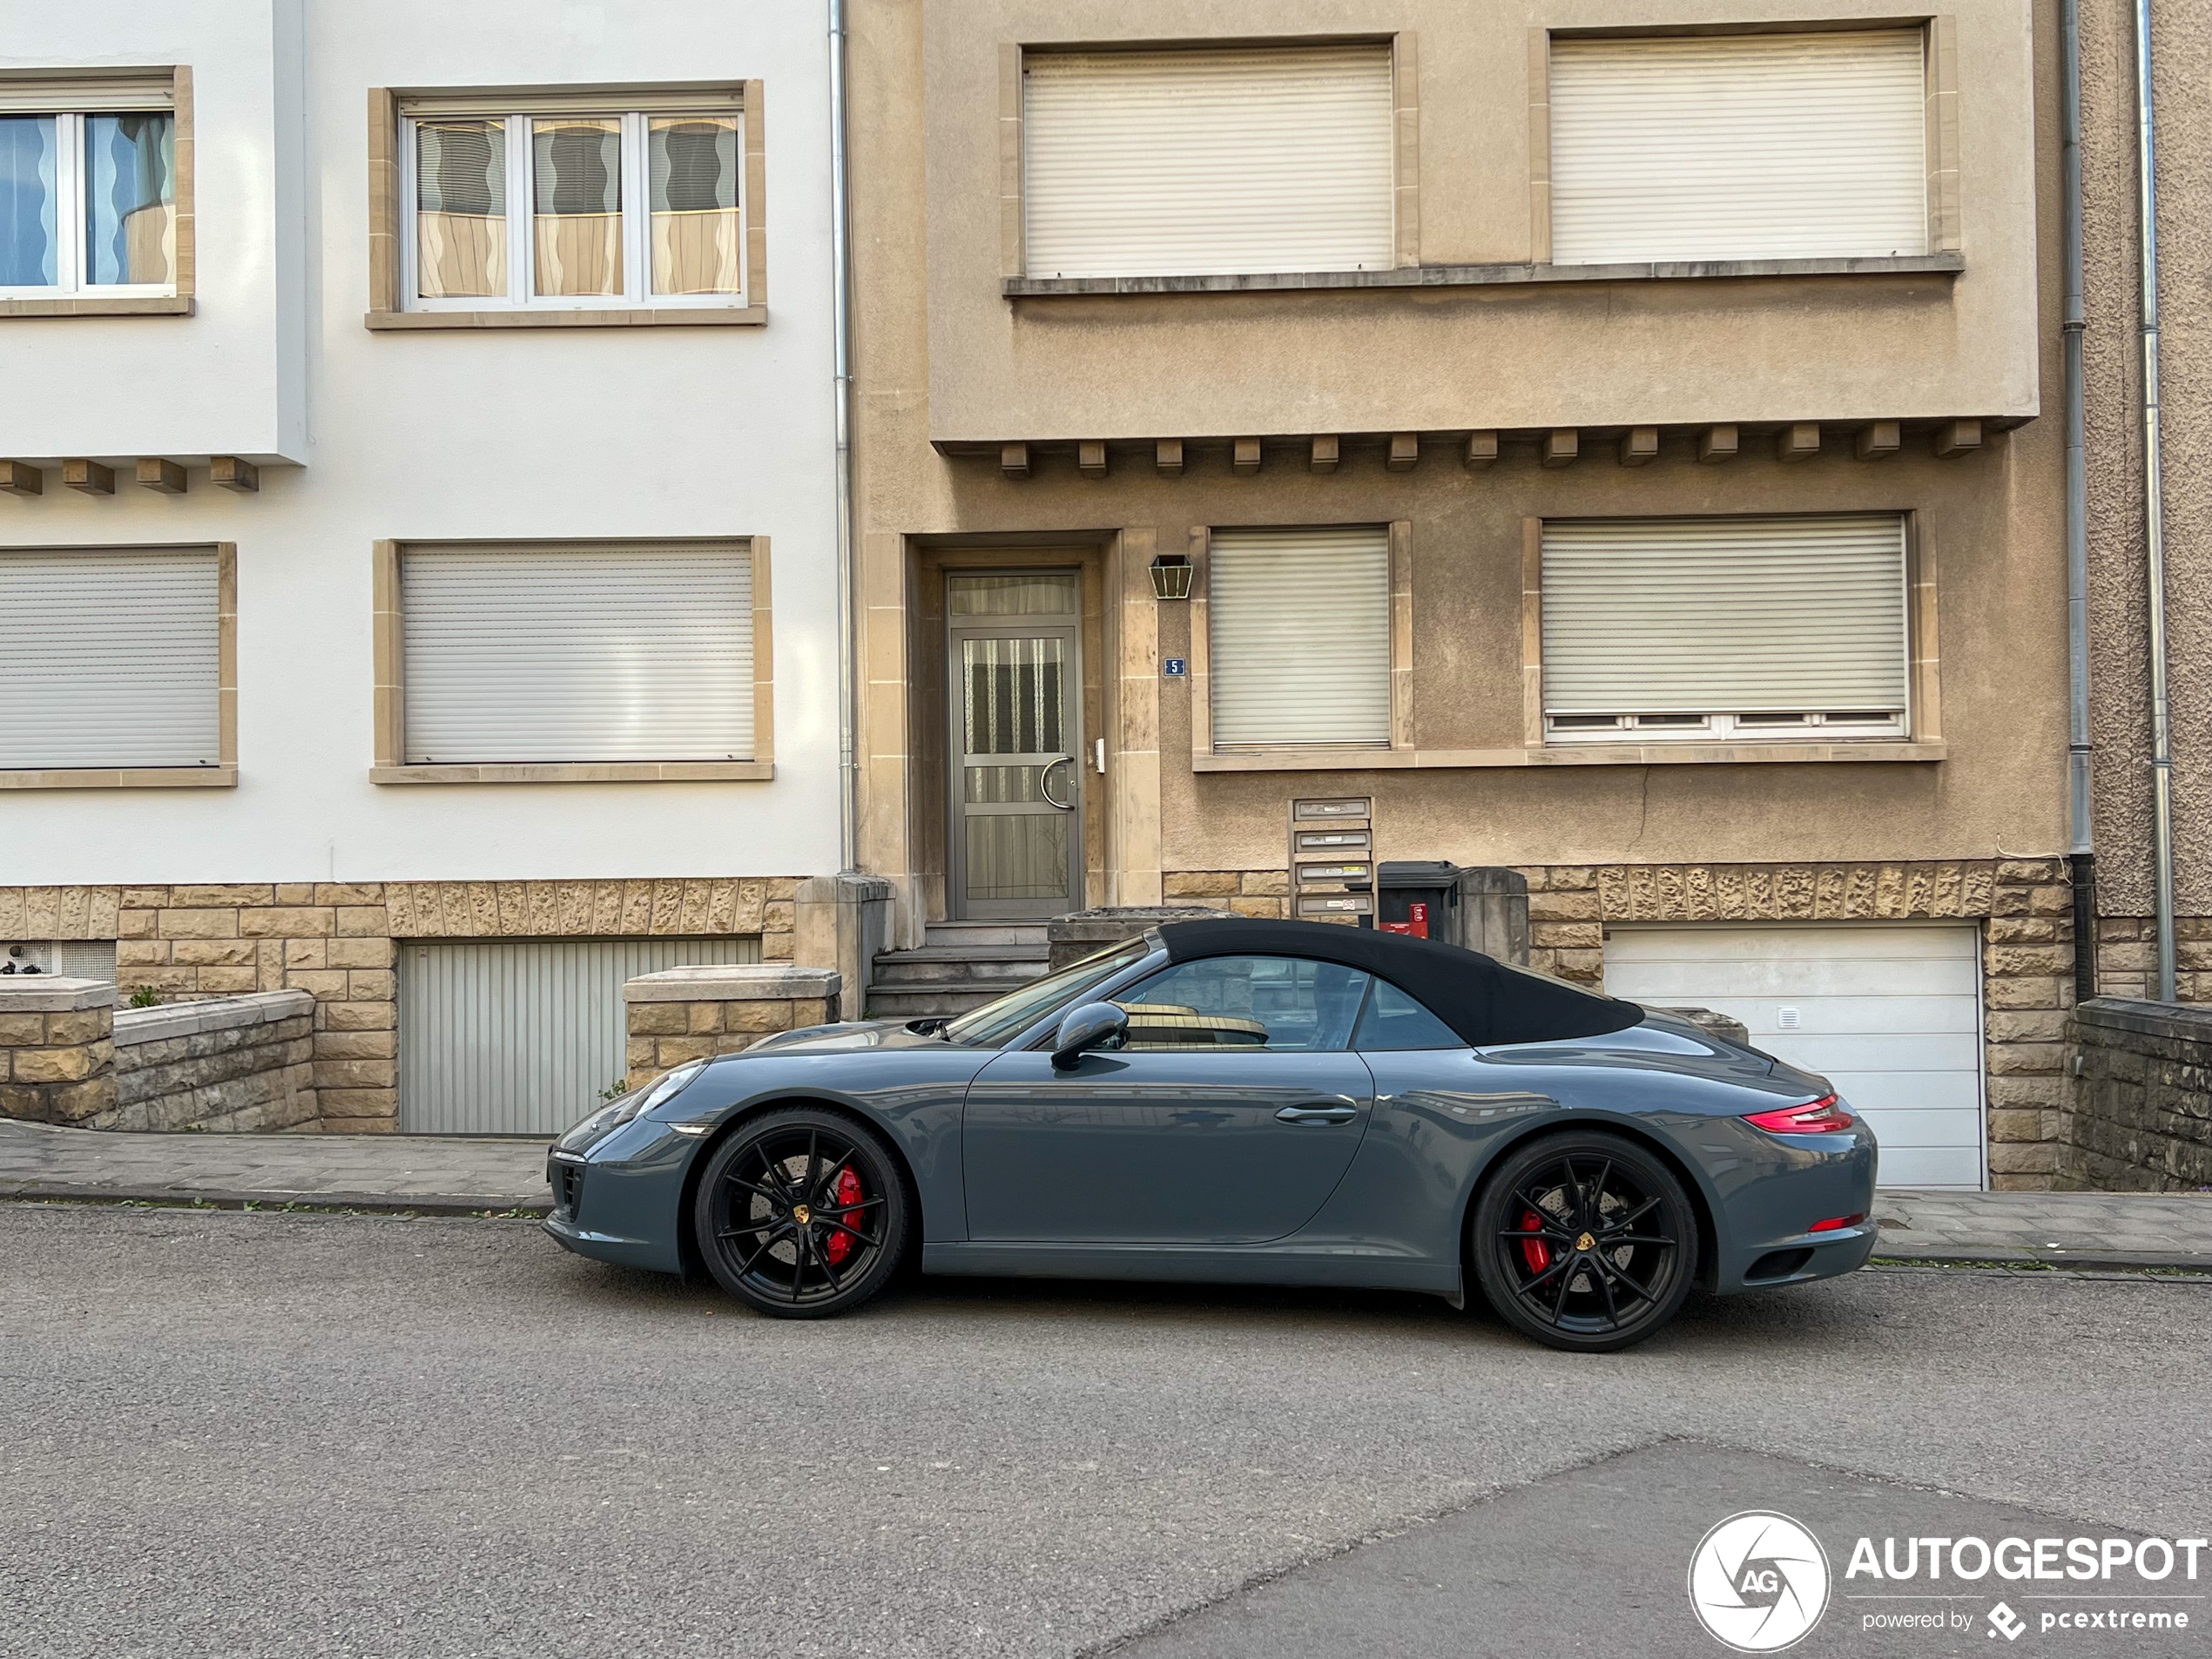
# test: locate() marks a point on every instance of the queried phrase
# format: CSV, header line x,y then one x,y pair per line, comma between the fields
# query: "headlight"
x,y
637,1101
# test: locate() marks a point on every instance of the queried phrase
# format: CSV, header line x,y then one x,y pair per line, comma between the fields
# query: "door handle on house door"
x,y
1319,1111
1044,783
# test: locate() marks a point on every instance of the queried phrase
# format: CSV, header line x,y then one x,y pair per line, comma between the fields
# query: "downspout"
x,y
2080,824
2162,737
848,777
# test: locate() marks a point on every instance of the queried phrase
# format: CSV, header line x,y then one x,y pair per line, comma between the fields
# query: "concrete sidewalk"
x,y
441,1175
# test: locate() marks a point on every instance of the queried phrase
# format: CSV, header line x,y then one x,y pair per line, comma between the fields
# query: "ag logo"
x,y
1758,1581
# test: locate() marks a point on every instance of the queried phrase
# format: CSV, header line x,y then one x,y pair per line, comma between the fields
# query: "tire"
x,y
802,1213
1584,1240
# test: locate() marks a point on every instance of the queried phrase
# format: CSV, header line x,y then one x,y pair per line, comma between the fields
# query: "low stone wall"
x,y
56,1048
689,1012
2142,1109
236,1062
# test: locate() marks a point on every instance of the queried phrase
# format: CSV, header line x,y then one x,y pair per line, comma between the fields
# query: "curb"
x,y
428,1204
1967,1255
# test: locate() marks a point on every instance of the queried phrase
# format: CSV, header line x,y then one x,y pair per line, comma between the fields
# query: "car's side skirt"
x,y
1239,1265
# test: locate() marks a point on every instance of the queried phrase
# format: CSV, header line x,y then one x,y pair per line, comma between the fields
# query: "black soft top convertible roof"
x,y
1481,998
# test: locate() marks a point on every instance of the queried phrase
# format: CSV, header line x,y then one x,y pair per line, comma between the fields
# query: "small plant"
x,y
615,1090
146,997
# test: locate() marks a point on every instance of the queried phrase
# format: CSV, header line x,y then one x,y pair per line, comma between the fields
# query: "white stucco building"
x,y
417,564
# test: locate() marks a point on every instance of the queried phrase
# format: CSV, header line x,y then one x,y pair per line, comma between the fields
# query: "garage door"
x,y
1890,1014
513,1036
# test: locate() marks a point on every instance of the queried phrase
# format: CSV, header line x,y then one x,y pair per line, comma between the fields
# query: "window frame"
x,y
1244,757
390,764
394,304
68,98
521,242
1725,735
221,775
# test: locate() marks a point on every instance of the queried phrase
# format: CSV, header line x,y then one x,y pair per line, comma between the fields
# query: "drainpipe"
x,y
2162,737
2080,824
848,777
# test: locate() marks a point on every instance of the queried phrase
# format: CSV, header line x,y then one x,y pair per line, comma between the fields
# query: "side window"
x,y
1394,1020
1275,1002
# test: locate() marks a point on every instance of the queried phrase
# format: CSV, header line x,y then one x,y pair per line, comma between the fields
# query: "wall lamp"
x,y
1171,577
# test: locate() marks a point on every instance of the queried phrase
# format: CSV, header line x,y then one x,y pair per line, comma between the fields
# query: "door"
x,y
1016,744
1227,1119
523,1036
1889,1013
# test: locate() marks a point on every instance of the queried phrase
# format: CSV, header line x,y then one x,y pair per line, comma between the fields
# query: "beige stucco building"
x,y
1606,440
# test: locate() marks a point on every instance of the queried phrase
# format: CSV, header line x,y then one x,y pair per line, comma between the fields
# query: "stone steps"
x,y
958,965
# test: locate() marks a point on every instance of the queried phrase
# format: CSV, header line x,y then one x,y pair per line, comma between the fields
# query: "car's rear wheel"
x,y
802,1213
1584,1240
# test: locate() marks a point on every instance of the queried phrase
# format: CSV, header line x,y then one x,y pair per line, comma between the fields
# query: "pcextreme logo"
x,y
1758,1581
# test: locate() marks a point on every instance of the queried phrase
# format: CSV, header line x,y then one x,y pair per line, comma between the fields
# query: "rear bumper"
x,y
1771,1200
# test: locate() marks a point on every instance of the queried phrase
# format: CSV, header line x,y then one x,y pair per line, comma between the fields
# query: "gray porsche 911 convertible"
x,y
1248,1102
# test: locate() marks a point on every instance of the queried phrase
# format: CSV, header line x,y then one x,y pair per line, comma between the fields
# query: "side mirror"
x,y
1086,1026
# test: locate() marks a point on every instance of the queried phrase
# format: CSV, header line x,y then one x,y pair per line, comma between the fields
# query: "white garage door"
x,y
1889,1013
523,1036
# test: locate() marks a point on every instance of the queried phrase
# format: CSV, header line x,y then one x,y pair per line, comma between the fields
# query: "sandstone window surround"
x,y
586,207
1917,735
1599,97
141,120
1260,753
391,644
183,624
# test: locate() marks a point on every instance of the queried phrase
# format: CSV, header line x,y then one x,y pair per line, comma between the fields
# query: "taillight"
x,y
1836,1224
1822,1116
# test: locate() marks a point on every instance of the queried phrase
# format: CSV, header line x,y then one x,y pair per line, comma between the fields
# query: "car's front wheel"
x,y
1584,1240
802,1213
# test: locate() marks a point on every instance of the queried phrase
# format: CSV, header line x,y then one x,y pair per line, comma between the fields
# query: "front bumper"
x,y
620,1200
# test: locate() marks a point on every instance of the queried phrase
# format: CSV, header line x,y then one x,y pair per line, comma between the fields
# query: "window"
x,y
1739,146
1394,1020
111,659
539,209
88,191
527,654
1193,162
1298,637
1231,1002
1747,630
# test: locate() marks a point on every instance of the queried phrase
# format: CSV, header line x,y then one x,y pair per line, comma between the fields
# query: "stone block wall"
x,y
692,1013
2127,958
56,1048
235,1062
2143,1106
339,942
1244,893
2024,906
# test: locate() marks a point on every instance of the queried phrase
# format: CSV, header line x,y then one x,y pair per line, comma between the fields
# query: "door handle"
x,y
1044,783
1318,1111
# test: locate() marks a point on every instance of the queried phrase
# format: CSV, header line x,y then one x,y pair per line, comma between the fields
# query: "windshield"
x,y
998,1024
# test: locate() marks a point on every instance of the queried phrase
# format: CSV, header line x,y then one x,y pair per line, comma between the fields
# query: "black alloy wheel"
x,y
801,1213
1584,1241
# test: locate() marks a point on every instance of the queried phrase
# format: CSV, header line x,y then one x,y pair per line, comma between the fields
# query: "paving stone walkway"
x,y
444,1174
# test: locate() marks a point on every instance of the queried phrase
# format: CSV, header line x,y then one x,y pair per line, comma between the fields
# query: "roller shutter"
x,y
522,1036
1890,1013
578,653
1298,637
1739,147
1179,163
110,657
1724,615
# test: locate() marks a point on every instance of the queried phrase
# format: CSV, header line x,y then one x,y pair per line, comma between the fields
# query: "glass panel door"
x,y
1017,835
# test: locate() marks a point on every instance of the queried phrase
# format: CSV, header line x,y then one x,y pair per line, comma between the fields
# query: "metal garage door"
x,y
1890,1013
508,1036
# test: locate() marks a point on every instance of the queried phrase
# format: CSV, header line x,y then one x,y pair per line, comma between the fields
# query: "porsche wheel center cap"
x,y
1586,1243
801,1214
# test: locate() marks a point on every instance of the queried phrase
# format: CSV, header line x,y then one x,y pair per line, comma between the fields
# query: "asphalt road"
x,y
258,1434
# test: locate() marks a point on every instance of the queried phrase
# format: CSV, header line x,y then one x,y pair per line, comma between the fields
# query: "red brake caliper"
x,y
839,1245
1534,1252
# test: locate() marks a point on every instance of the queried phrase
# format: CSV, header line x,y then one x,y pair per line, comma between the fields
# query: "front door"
x,y
1016,744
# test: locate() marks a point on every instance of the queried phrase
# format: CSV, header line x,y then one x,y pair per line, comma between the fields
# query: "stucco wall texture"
x,y
2181,37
